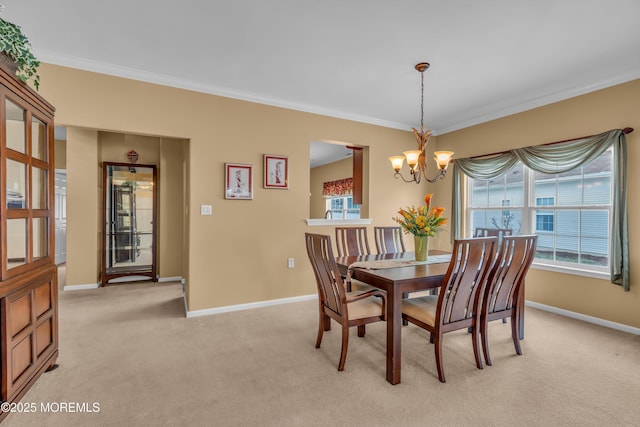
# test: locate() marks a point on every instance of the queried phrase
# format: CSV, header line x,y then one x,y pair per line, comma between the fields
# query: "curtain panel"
x,y
341,187
553,159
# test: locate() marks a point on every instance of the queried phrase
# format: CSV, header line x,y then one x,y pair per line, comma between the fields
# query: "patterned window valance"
x,y
341,187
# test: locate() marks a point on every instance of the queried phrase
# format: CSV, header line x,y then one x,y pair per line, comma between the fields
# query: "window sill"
x,y
313,222
568,270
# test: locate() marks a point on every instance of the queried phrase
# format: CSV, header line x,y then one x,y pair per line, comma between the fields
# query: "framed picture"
x,y
276,171
238,181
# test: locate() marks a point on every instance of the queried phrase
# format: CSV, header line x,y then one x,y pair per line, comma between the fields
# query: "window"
x,y
342,207
570,212
488,198
544,218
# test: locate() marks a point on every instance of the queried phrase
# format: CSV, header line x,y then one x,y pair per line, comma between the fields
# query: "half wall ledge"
x,y
312,222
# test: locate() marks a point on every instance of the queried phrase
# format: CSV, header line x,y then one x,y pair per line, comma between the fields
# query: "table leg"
x,y
394,331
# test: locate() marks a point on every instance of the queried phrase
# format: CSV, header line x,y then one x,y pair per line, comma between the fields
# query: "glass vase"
x,y
421,247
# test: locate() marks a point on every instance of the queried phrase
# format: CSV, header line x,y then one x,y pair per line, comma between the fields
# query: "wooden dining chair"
x,y
352,241
505,287
347,308
489,232
457,304
389,240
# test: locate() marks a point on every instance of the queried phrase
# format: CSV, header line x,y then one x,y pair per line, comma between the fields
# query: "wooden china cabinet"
x,y
28,275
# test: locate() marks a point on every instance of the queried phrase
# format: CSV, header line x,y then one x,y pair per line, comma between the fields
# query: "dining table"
x,y
397,279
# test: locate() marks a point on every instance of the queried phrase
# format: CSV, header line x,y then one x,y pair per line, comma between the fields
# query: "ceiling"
x,y
351,59
322,153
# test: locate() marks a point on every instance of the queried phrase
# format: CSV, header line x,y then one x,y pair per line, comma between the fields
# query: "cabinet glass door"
x,y
129,221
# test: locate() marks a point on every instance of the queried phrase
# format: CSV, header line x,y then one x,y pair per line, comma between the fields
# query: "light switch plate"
x,y
205,210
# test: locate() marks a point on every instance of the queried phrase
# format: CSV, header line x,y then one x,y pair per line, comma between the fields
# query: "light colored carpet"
x,y
129,348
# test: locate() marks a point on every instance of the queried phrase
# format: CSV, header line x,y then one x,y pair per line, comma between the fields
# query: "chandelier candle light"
x,y
423,222
416,158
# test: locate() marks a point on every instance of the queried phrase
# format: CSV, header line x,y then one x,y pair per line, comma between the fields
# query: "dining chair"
x,y
389,240
490,231
457,304
505,287
352,241
347,308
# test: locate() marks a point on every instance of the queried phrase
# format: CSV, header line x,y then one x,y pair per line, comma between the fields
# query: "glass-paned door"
x,y
25,212
129,221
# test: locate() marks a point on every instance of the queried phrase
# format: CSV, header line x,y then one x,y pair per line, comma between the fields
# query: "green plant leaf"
x,y
17,46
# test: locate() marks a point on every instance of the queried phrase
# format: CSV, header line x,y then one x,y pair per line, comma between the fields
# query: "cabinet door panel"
x,y
43,299
44,336
20,310
21,357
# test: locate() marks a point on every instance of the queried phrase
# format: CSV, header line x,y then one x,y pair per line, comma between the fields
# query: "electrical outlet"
x,y
291,262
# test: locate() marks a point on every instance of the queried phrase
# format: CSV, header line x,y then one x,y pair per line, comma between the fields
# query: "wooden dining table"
x,y
395,282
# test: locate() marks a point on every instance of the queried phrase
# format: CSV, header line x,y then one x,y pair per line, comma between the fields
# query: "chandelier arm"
x,y
414,178
439,175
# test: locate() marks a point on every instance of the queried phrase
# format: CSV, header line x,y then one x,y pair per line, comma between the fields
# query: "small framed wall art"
x,y
276,171
238,181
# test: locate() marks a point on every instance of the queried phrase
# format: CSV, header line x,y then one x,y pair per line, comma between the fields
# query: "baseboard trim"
x,y
584,317
251,305
81,287
123,280
170,279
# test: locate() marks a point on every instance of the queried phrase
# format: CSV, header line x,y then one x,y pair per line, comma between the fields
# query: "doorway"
x,y
60,218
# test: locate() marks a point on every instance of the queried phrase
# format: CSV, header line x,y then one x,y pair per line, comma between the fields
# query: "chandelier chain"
x,y
421,100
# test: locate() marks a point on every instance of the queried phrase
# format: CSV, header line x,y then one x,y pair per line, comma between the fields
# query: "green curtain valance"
x,y
553,159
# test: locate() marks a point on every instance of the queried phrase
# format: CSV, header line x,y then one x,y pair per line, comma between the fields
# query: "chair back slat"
x,y
489,232
464,281
331,289
352,241
389,240
508,273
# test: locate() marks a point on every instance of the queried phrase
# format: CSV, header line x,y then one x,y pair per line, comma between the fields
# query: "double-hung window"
x,y
571,212
342,207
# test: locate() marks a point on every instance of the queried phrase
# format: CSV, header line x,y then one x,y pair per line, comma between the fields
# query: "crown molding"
x,y
541,101
165,80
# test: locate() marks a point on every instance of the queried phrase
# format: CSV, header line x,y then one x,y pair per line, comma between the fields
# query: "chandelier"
x,y
416,158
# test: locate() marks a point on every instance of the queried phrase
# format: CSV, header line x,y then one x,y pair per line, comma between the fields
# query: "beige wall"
x,y
83,207
613,108
171,208
114,147
60,153
238,255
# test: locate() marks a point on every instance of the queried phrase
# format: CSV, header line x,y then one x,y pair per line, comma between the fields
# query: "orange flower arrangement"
x,y
421,221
